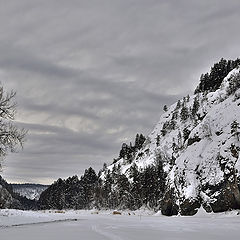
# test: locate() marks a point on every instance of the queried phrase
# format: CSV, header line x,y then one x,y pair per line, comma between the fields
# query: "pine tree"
x,y
184,113
178,105
165,128
136,200
160,179
158,140
186,133
89,181
136,141
184,102
104,167
133,170
165,108
142,139
107,190
235,129
175,115
174,147
196,106
123,189
179,140
172,125
126,152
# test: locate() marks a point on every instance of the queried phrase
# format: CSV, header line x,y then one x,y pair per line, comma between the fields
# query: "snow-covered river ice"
x,y
73,225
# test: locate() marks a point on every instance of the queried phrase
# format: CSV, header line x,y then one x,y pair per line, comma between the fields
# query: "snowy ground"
x,y
87,225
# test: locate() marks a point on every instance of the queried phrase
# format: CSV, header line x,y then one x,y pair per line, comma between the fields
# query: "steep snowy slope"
x,y
197,140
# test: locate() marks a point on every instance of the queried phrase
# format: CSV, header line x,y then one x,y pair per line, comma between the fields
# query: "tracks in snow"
x,y
40,223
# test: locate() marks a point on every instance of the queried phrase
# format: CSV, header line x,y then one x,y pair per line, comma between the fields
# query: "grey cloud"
x,y
89,76
17,59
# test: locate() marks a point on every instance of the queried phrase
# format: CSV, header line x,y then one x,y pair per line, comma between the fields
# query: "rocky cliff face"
x,y
197,140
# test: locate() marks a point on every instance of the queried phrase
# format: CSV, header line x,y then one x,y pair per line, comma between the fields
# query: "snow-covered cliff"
x,y
197,140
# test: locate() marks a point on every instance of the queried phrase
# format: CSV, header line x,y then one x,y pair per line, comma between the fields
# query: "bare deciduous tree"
x,y
11,137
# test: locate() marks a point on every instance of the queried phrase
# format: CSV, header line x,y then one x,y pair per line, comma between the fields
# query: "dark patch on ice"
x,y
41,223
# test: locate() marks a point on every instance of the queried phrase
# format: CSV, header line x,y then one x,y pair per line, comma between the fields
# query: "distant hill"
x,y
11,199
29,190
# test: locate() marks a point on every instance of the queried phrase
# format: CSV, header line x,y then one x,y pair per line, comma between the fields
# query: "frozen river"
x,y
87,226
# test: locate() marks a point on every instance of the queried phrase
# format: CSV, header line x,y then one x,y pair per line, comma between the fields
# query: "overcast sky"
x,y
90,74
